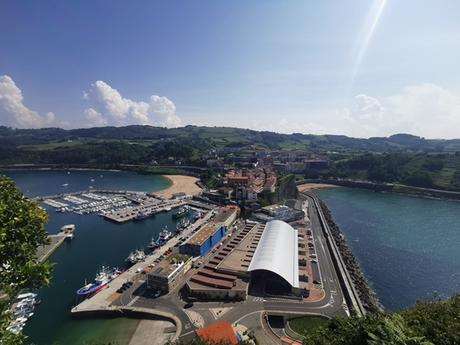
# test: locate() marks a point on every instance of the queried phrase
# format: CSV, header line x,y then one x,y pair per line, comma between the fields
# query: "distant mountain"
x,y
228,136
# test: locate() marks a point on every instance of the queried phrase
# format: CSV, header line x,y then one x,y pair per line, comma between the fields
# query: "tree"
x,y
429,322
22,230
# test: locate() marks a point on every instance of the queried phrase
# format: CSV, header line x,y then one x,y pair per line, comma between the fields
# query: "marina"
x,y
117,206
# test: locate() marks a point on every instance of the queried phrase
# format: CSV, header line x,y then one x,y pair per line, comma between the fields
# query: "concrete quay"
x,y
104,299
43,252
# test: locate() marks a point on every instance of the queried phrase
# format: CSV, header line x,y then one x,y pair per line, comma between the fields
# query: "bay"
x,y
407,247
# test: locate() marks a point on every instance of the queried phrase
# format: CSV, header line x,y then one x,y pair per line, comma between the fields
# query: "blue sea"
x,y
407,247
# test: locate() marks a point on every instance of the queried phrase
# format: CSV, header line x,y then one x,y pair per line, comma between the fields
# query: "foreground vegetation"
x,y
433,322
22,230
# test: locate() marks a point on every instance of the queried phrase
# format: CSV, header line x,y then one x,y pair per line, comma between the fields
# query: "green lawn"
x,y
306,324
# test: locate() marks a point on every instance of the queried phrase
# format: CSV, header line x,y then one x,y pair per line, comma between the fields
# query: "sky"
x,y
361,68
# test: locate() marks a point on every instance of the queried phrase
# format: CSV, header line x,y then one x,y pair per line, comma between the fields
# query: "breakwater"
x,y
387,187
366,294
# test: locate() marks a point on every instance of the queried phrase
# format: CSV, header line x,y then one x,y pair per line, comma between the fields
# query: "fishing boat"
x,y
183,211
153,244
183,224
135,256
105,276
164,236
142,215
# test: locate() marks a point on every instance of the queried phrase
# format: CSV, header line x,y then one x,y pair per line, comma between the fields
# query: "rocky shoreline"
x,y
366,294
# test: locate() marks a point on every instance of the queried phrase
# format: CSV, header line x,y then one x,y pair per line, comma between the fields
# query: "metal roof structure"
x,y
277,252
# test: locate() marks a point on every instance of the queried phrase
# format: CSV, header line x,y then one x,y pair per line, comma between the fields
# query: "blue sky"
x,y
285,66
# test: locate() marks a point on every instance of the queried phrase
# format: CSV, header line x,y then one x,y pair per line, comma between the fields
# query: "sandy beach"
x,y
180,183
306,187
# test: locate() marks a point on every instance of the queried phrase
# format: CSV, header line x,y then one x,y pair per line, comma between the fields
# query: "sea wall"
x,y
388,187
367,296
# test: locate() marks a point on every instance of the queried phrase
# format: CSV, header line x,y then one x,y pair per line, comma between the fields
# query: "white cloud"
x,y
13,111
109,107
426,109
95,118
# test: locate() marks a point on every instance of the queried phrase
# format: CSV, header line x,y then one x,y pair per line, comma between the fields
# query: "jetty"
x,y
44,252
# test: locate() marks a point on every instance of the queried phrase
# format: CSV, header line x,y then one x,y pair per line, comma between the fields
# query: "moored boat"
x,y
181,212
135,257
105,276
153,244
164,236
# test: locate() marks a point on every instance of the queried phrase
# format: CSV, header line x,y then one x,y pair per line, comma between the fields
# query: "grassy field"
x,y
306,324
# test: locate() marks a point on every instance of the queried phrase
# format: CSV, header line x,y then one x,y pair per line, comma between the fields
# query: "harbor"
x,y
104,300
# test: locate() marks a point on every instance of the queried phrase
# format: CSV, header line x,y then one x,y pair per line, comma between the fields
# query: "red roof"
x,y
213,282
217,332
217,275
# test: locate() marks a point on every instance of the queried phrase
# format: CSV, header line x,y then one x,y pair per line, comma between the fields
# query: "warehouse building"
x,y
266,256
275,264
209,235
200,243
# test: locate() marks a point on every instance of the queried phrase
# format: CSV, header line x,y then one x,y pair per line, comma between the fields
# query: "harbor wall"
x,y
359,289
133,312
350,292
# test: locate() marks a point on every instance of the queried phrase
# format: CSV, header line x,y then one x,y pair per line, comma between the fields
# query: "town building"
x,y
278,212
165,274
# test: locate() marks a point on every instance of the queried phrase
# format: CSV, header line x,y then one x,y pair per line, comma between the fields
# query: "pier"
x,y
43,252
66,232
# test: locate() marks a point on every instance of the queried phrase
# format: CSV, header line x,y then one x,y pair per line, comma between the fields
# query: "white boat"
x,y
164,236
27,295
68,230
15,328
135,256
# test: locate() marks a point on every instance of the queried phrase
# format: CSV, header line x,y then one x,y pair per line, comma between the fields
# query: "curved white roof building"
x,y
277,252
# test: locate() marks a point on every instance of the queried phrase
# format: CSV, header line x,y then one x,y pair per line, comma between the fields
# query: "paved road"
x,y
249,312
